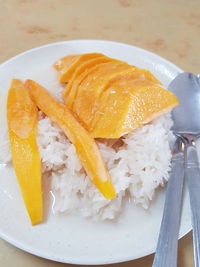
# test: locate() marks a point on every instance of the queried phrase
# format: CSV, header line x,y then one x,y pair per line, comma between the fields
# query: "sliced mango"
x,y
22,117
87,98
89,91
85,145
127,105
106,112
80,73
68,69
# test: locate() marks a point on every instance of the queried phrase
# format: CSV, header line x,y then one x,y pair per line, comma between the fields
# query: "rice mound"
x,y
138,164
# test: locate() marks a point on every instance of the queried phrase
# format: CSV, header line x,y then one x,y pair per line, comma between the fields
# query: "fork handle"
x,y
193,176
166,251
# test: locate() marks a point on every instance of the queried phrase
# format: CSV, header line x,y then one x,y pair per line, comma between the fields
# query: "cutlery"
x,y
186,86
186,117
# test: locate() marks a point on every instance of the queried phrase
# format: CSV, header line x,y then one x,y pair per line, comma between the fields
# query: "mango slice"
x,y
22,117
85,145
68,69
127,105
80,73
89,91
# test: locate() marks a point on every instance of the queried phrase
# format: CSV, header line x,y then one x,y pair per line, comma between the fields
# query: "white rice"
x,y
138,164
137,167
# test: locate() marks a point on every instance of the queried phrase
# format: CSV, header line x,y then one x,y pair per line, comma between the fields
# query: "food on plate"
x,y
112,98
127,105
22,117
85,145
68,65
109,121
80,73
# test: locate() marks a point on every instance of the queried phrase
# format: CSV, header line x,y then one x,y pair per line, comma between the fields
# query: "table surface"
x,y
168,28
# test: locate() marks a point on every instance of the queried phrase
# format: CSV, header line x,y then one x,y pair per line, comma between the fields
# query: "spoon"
x,y
186,87
186,117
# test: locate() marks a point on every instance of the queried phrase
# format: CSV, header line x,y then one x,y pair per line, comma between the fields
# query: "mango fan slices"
x,y
22,117
112,98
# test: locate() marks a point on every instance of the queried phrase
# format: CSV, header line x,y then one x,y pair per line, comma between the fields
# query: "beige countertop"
x,y
169,28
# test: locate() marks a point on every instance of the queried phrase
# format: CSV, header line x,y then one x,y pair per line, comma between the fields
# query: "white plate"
x,y
71,239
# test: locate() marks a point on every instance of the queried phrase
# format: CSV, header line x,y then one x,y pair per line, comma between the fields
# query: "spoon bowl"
x,y
186,117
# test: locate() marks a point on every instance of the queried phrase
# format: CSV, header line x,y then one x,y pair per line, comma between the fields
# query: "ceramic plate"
x,y
72,239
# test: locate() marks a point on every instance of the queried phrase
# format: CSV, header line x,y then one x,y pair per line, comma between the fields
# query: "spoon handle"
x,y
193,176
166,251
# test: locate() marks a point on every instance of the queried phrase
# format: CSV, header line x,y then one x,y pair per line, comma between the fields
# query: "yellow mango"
x,y
96,105
86,101
80,73
67,71
127,105
85,145
22,117
89,91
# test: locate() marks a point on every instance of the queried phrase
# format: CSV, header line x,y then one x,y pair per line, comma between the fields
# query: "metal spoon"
x,y
186,86
187,123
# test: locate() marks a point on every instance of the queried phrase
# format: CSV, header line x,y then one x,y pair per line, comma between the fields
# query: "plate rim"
x,y
90,40
28,249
